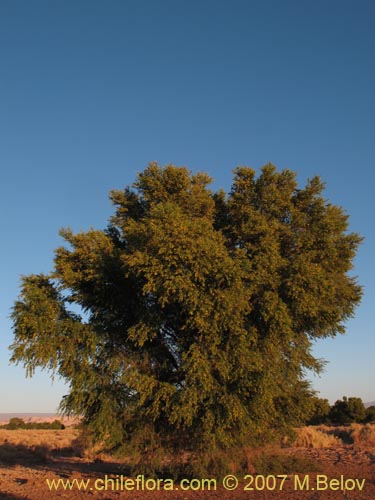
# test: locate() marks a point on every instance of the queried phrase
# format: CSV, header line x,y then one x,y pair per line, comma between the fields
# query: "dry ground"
x,y
30,457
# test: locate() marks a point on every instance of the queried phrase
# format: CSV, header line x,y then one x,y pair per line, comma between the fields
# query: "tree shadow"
x,y
20,454
10,496
342,433
62,462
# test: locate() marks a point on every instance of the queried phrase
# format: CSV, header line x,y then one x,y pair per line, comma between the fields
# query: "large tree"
x,y
198,310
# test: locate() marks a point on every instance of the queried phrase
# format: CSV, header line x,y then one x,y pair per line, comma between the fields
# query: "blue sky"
x,y
91,91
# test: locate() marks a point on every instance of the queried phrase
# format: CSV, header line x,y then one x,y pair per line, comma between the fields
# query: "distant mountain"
x,y
371,403
37,417
7,416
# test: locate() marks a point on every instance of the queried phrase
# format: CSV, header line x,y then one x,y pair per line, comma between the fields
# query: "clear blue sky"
x,y
91,91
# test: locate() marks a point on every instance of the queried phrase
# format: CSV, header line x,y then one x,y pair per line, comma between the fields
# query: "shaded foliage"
x,y
370,414
320,411
199,310
343,411
348,410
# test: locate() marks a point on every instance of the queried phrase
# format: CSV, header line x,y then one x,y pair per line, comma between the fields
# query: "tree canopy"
x,y
348,410
199,308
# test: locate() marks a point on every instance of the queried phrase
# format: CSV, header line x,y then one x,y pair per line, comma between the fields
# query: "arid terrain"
x,y
342,462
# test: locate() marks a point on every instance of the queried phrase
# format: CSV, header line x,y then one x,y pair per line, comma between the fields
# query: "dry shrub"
x,y
363,434
313,437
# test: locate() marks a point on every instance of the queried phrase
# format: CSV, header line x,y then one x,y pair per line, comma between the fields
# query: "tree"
x,y
348,410
199,309
15,423
320,411
370,414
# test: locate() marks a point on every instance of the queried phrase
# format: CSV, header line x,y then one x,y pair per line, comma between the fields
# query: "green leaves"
x,y
46,333
198,308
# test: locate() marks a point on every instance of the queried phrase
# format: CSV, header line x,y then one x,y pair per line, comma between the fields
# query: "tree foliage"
x,y
199,308
321,410
348,410
370,414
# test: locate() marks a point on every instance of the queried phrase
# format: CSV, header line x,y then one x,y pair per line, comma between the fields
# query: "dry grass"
x,y
313,437
22,445
363,434
52,439
42,444
324,436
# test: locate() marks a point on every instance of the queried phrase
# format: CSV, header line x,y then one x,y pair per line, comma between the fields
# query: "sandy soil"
x,y
25,469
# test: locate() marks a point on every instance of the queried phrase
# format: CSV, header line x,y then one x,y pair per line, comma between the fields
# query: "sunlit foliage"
x,y
199,309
